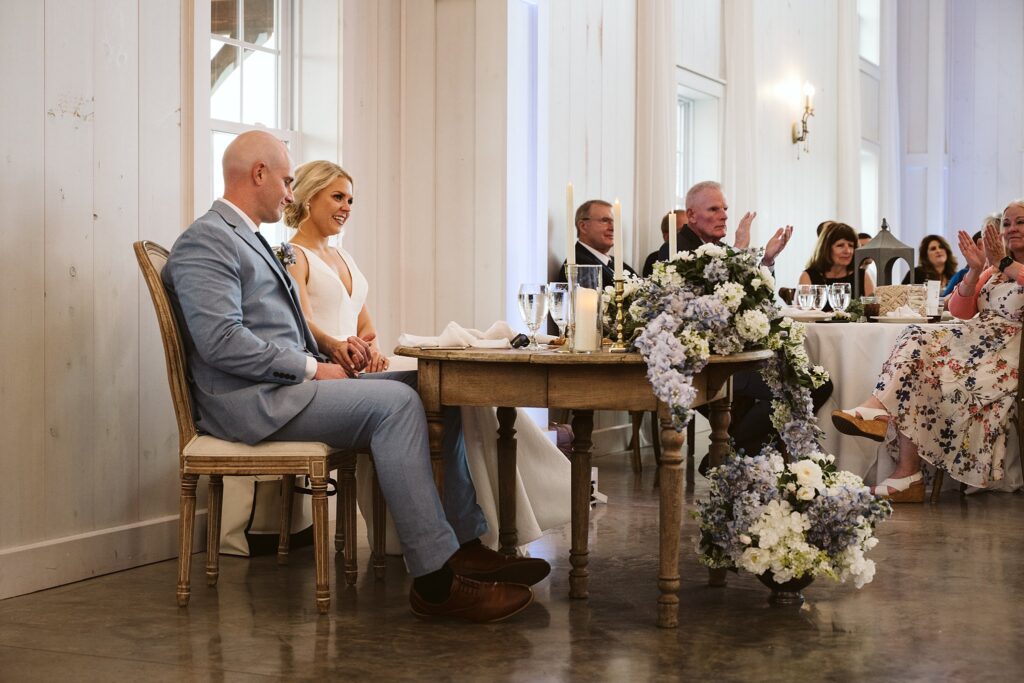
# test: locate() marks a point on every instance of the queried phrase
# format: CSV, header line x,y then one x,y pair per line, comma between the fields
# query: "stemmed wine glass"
x,y
533,307
820,296
839,296
558,305
805,297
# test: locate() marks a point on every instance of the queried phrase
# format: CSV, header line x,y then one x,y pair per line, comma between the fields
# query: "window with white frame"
x,y
684,149
870,29
250,84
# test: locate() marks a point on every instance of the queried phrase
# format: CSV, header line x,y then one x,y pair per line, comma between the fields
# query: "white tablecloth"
x,y
853,354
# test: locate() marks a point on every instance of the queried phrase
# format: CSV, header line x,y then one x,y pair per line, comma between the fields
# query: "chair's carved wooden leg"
x,y
186,524
318,483
638,421
348,520
213,513
284,538
670,520
937,484
339,515
508,534
579,555
380,529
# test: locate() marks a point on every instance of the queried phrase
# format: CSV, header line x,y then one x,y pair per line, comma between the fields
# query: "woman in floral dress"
x,y
945,395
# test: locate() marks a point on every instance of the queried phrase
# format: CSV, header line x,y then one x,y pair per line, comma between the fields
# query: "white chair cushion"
x,y
211,446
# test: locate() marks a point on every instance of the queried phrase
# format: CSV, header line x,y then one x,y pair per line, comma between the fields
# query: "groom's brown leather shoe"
x,y
475,601
479,562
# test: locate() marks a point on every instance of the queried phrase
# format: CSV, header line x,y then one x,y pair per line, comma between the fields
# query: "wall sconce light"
x,y
800,131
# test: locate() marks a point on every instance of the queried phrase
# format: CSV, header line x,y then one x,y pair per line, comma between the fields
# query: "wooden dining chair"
x,y
200,454
1018,424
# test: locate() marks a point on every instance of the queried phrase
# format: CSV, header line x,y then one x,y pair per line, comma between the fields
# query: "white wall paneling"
x,y
91,146
922,101
22,324
986,113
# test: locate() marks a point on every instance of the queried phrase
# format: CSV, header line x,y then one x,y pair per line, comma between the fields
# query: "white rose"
x,y
709,249
805,493
808,473
755,560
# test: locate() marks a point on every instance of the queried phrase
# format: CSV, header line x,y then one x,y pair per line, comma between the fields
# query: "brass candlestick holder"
x,y
618,346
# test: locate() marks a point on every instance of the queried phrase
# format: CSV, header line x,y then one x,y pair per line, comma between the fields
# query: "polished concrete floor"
x,y
946,604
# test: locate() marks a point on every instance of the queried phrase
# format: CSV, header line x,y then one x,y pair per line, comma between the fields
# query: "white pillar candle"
x,y
617,240
570,222
671,234
587,304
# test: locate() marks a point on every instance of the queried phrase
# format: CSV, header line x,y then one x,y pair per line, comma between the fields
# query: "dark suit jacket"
x,y
686,240
585,257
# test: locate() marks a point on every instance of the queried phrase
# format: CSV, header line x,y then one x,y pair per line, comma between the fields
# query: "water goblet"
x,y
533,308
805,297
820,296
839,296
558,305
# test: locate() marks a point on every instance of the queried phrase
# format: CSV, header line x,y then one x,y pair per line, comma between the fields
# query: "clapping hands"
x,y
776,244
974,255
743,230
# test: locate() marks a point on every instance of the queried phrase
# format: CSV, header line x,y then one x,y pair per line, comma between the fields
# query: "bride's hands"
x,y
352,354
378,363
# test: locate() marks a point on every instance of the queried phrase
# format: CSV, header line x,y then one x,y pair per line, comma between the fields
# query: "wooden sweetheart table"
x,y
511,378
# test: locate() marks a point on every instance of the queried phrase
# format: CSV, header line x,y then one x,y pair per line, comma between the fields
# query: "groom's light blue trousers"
x,y
382,412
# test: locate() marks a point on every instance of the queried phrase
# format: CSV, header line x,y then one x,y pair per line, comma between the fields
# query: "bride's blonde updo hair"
x,y
310,178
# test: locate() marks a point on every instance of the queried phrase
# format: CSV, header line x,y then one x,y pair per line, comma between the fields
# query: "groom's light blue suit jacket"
x,y
246,339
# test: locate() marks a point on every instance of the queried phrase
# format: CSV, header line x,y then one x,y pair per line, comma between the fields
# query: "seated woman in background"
x,y
936,260
945,394
992,219
333,292
833,259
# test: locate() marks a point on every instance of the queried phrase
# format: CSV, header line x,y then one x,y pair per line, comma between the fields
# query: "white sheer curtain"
x,y
739,155
654,181
848,118
889,118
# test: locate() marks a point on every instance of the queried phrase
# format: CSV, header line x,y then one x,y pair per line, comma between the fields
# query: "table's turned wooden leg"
x,y
720,415
508,534
582,429
670,521
435,430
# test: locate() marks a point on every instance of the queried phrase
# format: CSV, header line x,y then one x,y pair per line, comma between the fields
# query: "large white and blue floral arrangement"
x,y
790,521
720,300
762,515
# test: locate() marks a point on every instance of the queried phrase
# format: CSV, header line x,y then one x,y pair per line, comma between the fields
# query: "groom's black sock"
x,y
436,586
471,543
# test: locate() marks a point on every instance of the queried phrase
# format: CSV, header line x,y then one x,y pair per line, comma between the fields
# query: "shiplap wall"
x,y
986,110
90,146
795,41
424,89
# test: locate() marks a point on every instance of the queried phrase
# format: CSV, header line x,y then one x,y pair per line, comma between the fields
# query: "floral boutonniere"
x,y
285,253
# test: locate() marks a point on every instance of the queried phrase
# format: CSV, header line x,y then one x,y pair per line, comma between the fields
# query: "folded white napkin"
x,y
497,336
904,311
794,312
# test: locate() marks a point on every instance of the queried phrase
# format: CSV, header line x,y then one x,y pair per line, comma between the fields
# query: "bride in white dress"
x,y
333,294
